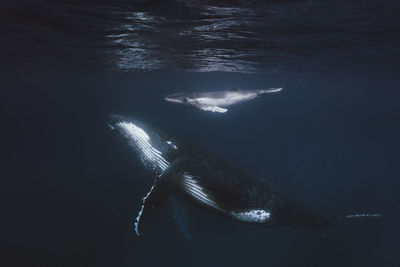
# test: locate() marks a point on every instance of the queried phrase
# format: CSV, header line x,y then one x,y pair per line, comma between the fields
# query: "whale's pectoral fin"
x,y
206,107
158,193
193,186
180,210
210,108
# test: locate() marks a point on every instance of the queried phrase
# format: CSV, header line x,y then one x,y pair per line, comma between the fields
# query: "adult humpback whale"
x,y
180,169
217,101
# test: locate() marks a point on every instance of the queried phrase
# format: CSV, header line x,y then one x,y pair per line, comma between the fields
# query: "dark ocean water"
x,y
71,188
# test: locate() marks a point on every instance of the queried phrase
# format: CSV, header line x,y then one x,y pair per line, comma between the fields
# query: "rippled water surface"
x,y
234,36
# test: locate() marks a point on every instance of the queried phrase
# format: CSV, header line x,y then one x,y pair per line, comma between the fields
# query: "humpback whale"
x,y
217,101
184,172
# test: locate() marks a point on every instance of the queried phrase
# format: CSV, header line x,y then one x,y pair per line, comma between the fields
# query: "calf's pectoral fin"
x,y
211,108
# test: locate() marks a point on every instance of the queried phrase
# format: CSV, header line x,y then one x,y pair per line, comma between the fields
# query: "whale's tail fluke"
x,y
349,217
269,90
353,216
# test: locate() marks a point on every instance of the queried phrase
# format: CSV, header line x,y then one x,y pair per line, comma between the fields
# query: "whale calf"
x,y
184,172
217,101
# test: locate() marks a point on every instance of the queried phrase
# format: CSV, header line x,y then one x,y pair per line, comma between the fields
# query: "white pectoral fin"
x,y
211,108
157,194
193,187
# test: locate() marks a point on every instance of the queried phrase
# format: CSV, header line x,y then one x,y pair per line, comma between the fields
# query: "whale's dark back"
x,y
233,190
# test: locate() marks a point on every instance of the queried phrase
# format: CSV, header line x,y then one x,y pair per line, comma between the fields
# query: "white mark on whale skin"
x,y
252,216
141,140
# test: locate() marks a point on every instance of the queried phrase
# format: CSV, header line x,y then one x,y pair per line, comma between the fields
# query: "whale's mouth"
x,y
170,99
173,99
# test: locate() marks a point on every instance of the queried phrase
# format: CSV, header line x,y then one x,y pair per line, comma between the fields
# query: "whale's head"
x,y
178,98
155,149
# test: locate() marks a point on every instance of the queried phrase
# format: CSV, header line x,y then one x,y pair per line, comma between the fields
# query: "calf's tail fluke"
x,y
269,90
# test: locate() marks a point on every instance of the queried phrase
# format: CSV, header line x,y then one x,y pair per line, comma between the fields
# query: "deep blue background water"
x,y
71,188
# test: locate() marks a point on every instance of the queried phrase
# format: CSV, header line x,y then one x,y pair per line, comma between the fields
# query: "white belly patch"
x,y
252,216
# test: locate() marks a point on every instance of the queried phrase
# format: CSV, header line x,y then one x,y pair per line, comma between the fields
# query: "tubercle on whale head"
x,y
113,120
